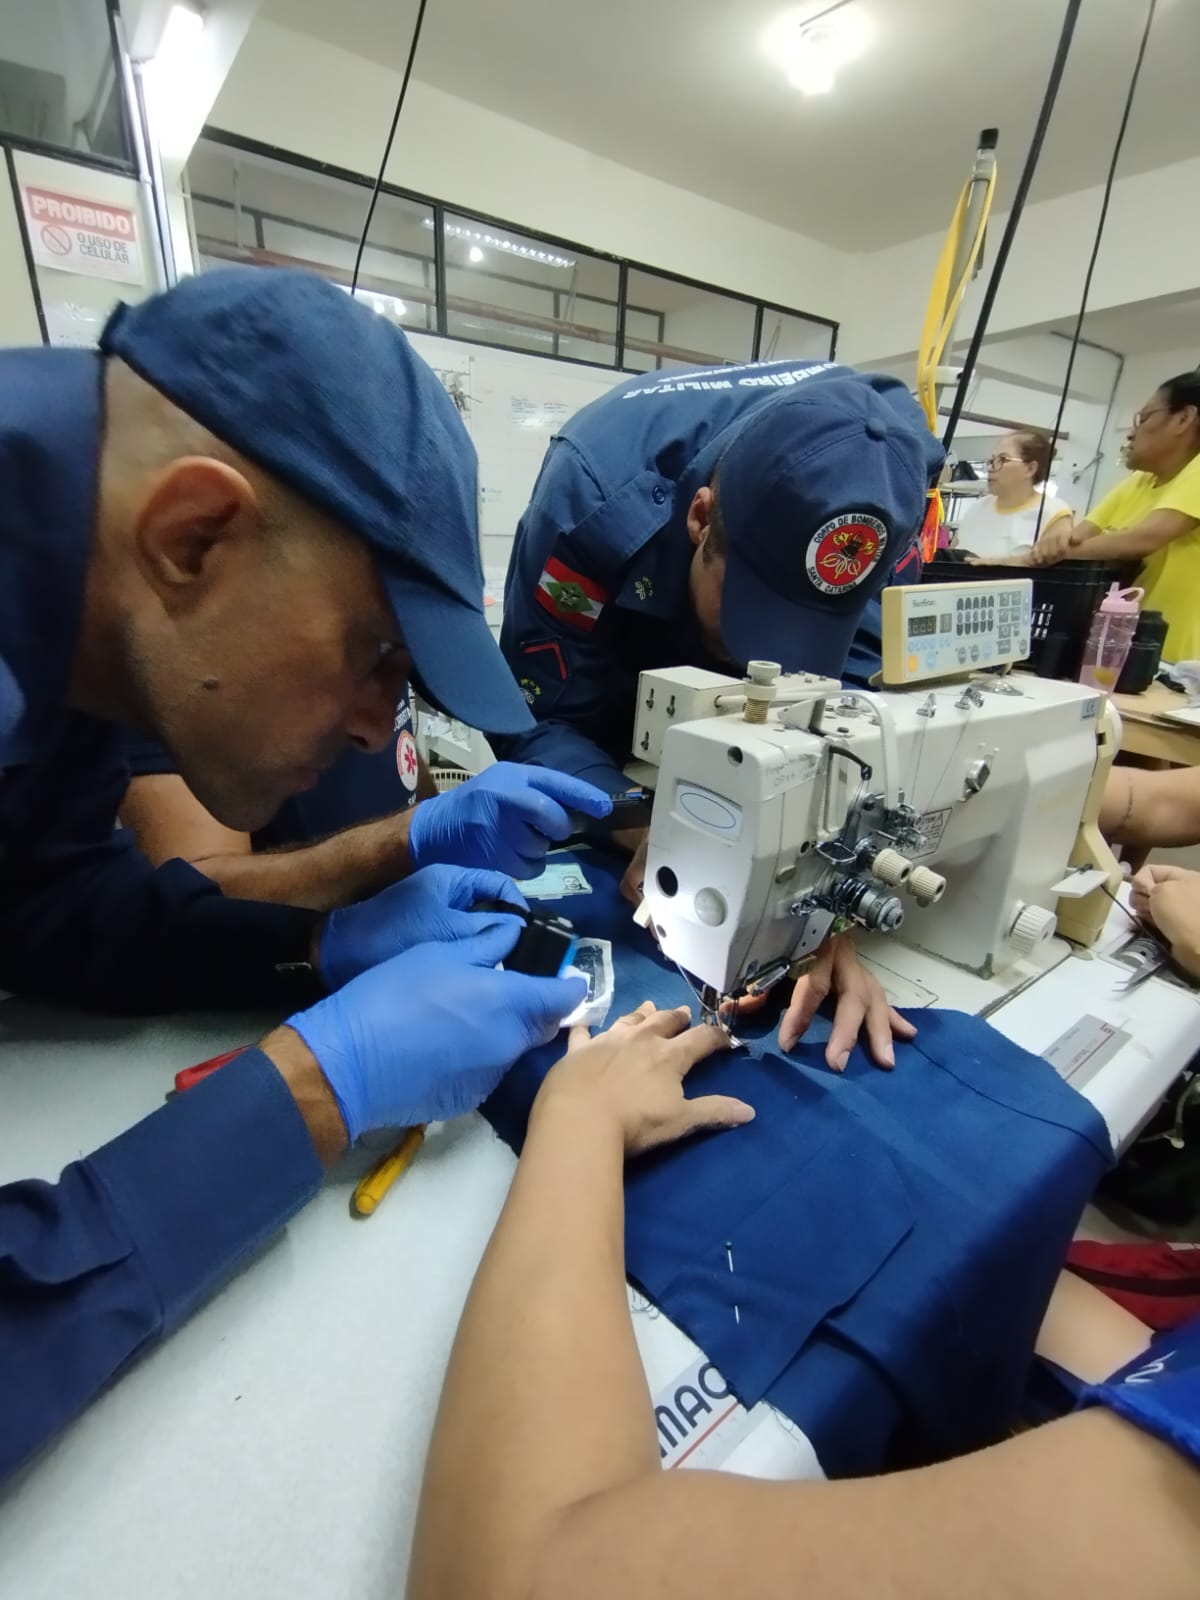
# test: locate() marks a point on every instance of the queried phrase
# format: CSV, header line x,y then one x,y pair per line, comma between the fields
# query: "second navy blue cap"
x,y
331,399
822,491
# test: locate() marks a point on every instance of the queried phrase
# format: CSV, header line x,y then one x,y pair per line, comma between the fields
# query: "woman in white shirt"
x,y
1005,520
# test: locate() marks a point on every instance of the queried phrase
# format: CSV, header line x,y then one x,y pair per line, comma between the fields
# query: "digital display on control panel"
x,y
918,627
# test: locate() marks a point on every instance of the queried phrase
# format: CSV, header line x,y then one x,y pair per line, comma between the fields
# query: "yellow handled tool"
x,y
371,1189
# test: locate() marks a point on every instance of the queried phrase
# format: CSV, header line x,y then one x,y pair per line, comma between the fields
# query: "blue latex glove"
x,y
431,907
505,818
429,1034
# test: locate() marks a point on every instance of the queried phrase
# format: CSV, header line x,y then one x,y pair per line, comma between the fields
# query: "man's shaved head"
x,y
225,614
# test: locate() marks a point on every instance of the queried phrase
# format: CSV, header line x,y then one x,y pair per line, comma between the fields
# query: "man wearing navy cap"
x,y
241,526
708,518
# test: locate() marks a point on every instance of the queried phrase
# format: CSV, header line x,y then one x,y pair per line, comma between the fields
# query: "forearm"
x,y
514,1446
1128,545
337,871
104,930
1072,1508
1145,810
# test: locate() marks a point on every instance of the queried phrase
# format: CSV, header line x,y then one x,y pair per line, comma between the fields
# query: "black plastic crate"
x,y
1065,598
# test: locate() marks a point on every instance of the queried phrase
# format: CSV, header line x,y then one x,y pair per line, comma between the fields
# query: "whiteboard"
x,y
512,406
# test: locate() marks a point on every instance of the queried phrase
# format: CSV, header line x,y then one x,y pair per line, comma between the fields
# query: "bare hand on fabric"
x,y
633,1075
861,1005
1169,898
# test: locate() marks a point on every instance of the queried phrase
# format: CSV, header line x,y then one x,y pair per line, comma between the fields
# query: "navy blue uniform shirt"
x,y
357,788
132,1237
597,588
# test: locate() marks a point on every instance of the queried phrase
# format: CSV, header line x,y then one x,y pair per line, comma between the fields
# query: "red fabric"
x,y
1152,1279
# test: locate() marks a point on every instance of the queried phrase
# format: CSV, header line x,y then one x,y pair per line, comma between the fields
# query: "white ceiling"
x,y
682,90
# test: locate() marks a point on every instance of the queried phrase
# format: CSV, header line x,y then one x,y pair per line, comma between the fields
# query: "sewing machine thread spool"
x,y
890,867
760,689
926,886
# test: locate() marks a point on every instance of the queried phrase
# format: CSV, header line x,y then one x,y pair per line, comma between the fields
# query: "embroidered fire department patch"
x,y
844,551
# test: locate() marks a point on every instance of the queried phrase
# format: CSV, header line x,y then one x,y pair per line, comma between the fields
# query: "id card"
x,y
561,876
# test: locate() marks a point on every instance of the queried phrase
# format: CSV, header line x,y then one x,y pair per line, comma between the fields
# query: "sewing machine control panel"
x,y
942,630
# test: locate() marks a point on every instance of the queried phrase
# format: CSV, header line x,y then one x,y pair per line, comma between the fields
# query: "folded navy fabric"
x,y
894,1236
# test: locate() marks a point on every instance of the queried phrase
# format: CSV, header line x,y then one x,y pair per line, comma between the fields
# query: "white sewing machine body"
x,y
943,816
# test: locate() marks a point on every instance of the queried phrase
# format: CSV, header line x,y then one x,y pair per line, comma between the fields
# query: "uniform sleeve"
x,y
566,668
86,920
97,1267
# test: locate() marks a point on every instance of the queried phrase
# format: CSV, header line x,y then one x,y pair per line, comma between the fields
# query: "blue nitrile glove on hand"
x,y
429,1034
506,818
431,907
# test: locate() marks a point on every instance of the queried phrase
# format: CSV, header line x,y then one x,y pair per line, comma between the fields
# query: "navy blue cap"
x,y
330,398
822,492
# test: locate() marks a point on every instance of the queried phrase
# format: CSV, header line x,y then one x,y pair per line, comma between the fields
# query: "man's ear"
x,y
700,515
192,514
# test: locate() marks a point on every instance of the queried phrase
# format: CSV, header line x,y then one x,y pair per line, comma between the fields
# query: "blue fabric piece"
x,y
358,787
800,444
895,1236
84,919
1159,1391
332,400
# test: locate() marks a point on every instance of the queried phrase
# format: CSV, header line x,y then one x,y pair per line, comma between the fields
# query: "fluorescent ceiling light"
x,y
184,26
527,252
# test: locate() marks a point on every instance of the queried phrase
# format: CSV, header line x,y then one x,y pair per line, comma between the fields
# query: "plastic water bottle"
x,y
1113,628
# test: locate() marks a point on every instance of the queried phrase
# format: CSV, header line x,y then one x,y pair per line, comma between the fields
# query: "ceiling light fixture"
x,y
184,26
474,255
812,47
455,230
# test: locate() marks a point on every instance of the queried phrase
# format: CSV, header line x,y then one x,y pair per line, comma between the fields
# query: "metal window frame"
x,y
624,264
126,166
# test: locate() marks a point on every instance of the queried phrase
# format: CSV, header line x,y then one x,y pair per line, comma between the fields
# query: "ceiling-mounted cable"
x,y
1014,216
1091,267
387,149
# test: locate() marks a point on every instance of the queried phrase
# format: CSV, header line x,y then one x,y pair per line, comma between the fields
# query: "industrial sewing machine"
x,y
954,812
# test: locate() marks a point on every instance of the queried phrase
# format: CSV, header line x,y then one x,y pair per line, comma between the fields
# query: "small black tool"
x,y
629,810
545,946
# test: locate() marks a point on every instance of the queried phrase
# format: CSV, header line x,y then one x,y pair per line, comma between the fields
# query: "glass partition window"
x,y
787,336
444,271
524,293
674,324
253,209
59,84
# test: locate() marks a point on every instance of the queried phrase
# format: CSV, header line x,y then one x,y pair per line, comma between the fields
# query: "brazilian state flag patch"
x,y
570,596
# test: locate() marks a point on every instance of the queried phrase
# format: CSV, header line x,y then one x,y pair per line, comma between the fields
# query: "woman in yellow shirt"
x,y
1154,514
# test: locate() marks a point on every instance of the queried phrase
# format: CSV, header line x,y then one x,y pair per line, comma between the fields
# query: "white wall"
x,y
1044,276
289,90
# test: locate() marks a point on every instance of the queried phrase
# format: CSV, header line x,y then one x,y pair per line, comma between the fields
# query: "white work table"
x,y
274,1445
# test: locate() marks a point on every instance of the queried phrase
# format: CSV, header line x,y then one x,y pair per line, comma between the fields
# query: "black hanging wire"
x,y
1014,215
1087,281
387,149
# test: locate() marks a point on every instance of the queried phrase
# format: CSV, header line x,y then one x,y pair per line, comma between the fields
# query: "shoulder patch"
x,y
571,597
